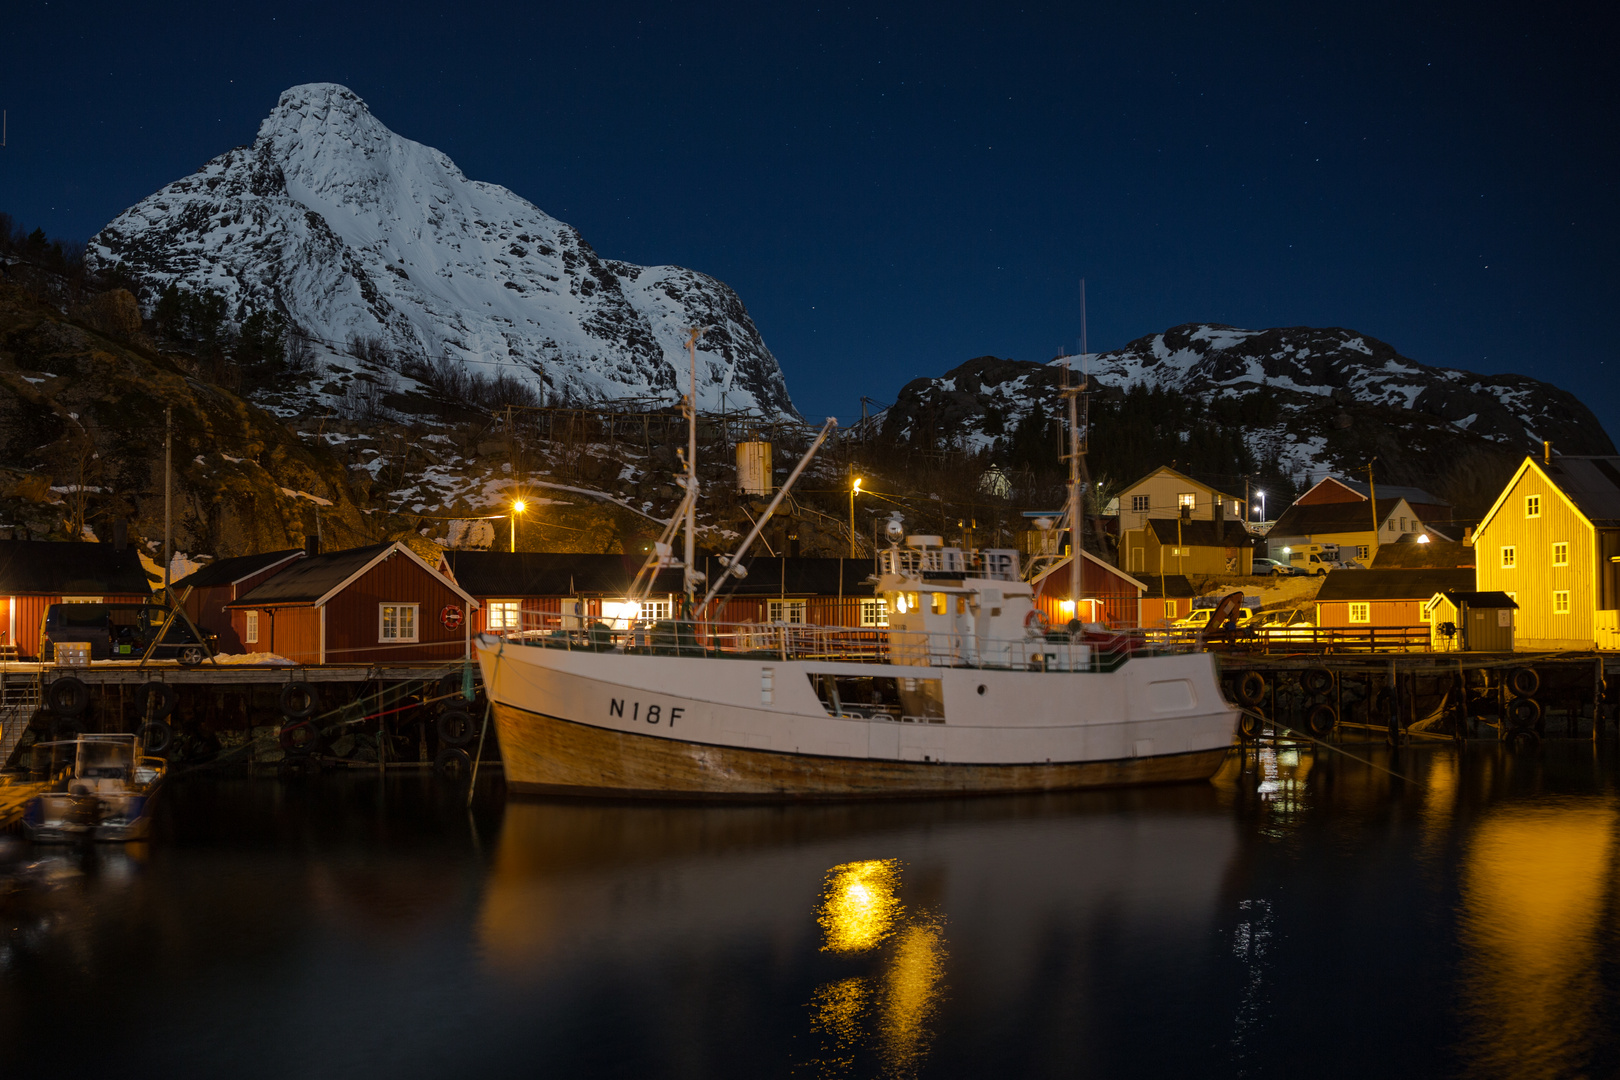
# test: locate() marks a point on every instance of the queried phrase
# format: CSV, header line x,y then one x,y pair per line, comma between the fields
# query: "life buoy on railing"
x,y
1251,688
1036,621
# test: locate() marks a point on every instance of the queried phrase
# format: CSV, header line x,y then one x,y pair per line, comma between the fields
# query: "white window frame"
x,y
657,610
398,637
793,612
1361,551
250,627
1360,611
1560,602
875,612
1510,557
1169,609
1560,553
503,615
1189,499
1532,506
1141,504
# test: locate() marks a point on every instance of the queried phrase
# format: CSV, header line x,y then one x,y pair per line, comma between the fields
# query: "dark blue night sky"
x,y
895,189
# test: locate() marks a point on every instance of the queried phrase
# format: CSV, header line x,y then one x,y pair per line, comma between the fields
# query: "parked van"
x,y
122,632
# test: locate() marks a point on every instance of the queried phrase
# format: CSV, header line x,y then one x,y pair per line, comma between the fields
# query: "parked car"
x,y
1272,568
123,631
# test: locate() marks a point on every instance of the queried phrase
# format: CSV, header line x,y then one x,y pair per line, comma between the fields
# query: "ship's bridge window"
x,y
941,603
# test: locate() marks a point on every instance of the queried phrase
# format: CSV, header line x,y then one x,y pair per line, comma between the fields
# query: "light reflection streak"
x,y
859,907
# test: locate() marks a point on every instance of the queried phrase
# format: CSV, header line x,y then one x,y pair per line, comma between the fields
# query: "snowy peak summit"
x,y
356,234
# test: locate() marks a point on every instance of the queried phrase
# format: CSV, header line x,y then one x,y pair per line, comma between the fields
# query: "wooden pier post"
x,y
1394,730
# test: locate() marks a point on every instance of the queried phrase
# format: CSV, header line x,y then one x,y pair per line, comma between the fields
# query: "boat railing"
x,y
1086,650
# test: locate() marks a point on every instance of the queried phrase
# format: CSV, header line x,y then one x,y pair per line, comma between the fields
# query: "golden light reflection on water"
x,y
859,906
1534,888
889,1010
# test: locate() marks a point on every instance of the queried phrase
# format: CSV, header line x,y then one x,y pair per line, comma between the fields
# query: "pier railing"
x,y
1051,651
1326,640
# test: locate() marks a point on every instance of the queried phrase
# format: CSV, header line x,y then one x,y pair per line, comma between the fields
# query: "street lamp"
x,y
1262,506
854,490
518,506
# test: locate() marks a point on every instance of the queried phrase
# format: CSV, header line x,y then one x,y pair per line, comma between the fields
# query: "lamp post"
x,y
518,506
854,490
1262,506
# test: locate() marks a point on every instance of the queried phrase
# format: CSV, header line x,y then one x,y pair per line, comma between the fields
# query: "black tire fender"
x,y
299,738
299,701
1524,682
1522,739
455,727
1251,688
1249,726
164,705
453,763
155,737
1322,721
1317,680
68,696
1524,712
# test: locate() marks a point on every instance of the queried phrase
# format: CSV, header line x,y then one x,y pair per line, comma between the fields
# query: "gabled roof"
x,y
1061,565
317,579
1168,586
1591,486
1393,491
1343,517
1477,599
57,568
240,568
1199,532
1179,476
1436,554
1392,584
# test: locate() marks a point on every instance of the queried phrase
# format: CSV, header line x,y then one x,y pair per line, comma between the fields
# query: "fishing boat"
x,y
967,691
104,794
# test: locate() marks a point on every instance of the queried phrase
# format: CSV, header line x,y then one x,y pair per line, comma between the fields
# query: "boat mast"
x,y
689,565
1072,510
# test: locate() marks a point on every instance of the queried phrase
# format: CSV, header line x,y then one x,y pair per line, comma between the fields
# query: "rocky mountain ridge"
x,y
373,245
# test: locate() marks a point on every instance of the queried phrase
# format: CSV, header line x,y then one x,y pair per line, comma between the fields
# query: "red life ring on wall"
x,y
1035,620
451,617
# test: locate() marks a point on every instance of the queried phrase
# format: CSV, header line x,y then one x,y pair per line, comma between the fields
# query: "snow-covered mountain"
x,y
353,232
1333,399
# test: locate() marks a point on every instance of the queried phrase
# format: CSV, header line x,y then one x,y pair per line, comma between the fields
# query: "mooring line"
x,y
1328,746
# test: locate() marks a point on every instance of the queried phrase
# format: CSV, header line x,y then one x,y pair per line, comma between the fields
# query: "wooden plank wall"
x,y
31,617
1380,613
1533,578
352,615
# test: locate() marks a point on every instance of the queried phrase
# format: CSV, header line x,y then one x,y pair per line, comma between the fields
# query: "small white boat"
x,y
105,793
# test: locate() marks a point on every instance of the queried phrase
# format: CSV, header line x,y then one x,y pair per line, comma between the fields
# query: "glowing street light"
x,y
1262,506
518,506
854,490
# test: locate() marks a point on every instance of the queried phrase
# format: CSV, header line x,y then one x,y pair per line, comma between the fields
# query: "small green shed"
x,y
1470,621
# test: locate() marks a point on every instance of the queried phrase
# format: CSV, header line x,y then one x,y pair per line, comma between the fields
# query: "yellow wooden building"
x,y
1188,546
1552,543
1162,494
1349,526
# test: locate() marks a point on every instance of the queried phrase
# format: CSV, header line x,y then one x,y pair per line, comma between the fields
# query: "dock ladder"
x,y
19,700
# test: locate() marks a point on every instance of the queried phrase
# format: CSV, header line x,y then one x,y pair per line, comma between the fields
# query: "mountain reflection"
x,y
1533,897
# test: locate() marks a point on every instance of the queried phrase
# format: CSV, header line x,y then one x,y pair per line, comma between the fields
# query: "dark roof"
x,y
1392,584
1200,533
1481,599
501,574
306,580
1394,491
1591,483
1436,554
1170,586
230,571
1342,517
56,568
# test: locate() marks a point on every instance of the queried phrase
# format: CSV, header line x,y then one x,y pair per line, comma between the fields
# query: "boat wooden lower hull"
x,y
547,755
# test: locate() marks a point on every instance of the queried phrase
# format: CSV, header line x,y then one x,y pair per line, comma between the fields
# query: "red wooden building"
x,y
377,604
1167,599
225,580
1108,595
35,574
1385,598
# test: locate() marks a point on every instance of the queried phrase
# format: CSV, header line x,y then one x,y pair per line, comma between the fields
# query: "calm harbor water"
x,y
1305,916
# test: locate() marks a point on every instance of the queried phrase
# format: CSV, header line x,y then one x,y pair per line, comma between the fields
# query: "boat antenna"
x,y
689,571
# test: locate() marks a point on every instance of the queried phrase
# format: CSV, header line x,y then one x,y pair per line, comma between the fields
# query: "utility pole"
x,y
168,495
1372,497
1246,518
854,490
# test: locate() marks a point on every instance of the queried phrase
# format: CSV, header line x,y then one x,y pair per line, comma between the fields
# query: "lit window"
x,y
1510,557
655,610
1361,613
788,611
1561,602
397,622
1532,506
1139,503
250,628
1561,554
941,600
504,615
874,613
1176,553
1187,499
1169,609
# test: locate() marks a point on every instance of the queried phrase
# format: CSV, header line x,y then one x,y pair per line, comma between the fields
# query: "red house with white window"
x,y
373,605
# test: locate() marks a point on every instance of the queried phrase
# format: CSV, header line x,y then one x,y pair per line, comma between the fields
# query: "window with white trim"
x,y
250,627
1561,554
1561,602
1187,499
1140,503
788,611
1361,612
503,615
1169,609
657,610
397,622
874,612
1361,551
1510,557
1532,506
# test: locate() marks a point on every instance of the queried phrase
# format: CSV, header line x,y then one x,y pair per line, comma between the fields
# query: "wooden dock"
x,y
14,798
